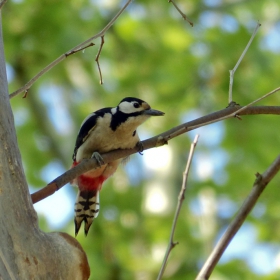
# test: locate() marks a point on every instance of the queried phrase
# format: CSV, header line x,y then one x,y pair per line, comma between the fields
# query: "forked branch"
x,y
258,187
231,72
97,59
78,48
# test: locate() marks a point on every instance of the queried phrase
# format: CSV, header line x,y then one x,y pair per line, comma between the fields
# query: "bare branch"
x,y
181,198
97,59
2,3
258,187
237,113
257,100
181,13
153,142
78,48
231,72
32,81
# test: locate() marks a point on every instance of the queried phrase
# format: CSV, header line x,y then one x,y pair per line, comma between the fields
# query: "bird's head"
x,y
137,107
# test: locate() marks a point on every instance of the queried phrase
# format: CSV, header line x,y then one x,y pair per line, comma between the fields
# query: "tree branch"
x,y
156,141
181,13
97,59
181,197
2,3
26,251
258,187
231,72
78,48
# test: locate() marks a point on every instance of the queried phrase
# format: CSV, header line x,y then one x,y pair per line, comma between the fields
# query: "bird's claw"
x,y
98,158
140,148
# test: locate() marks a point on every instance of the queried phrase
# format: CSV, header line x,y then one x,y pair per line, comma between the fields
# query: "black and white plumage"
x,y
103,131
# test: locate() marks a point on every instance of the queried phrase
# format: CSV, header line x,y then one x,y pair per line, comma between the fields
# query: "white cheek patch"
x,y
128,108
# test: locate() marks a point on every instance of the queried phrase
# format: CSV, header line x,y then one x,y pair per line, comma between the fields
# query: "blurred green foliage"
x,y
152,54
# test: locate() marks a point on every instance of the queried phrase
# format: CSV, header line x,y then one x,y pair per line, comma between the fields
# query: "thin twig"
x,y
65,56
25,94
181,197
78,50
258,187
2,3
257,100
97,59
231,72
180,12
153,142
79,47
236,113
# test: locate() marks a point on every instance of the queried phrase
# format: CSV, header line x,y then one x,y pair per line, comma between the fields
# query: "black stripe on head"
x,y
130,99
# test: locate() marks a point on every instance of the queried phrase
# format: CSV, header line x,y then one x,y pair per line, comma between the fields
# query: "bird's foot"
x,y
98,158
140,147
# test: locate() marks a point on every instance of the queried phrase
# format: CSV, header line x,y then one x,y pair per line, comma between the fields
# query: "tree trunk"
x,y
25,251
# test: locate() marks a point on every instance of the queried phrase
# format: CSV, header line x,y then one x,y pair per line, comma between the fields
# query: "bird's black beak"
x,y
152,112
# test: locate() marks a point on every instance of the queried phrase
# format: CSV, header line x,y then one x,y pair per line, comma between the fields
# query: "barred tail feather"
x,y
86,209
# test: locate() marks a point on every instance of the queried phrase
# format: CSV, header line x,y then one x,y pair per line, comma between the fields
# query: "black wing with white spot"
x,y
87,127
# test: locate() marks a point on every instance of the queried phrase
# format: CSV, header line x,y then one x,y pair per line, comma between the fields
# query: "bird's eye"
x,y
136,105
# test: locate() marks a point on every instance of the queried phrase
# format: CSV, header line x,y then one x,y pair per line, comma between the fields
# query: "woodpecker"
x,y
103,131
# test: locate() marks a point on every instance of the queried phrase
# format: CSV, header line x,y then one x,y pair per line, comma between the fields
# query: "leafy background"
x,y
152,54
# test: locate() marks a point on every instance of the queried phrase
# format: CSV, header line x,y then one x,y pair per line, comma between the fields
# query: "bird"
x,y
102,131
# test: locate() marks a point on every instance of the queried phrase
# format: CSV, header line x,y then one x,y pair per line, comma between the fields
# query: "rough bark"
x,y
25,251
